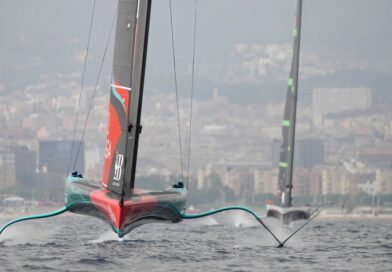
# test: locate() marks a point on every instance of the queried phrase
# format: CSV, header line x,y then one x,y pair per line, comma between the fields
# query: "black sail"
x,y
126,93
288,123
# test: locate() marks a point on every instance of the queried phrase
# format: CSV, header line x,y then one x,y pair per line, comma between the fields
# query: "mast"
x,y
126,94
140,59
286,163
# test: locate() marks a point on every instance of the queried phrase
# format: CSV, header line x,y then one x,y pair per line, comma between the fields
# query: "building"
x,y
346,179
54,162
332,178
301,182
241,177
266,181
25,165
315,186
7,169
275,150
334,100
377,157
18,166
241,181
383,182
54,157
308,153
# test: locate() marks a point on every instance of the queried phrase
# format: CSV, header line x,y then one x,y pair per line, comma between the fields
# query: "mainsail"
x,y
126,92
288,124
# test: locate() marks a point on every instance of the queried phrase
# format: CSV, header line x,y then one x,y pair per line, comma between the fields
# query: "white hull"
x,y
288,214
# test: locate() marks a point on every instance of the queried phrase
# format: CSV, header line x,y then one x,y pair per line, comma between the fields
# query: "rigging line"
x,y
307,222
191,97
176,88
95,89
81,86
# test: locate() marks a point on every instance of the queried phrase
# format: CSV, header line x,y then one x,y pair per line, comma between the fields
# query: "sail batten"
x,y
288,124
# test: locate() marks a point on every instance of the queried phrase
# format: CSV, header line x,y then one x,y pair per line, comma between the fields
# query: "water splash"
x,y
243,220
207,221
25,233
108,235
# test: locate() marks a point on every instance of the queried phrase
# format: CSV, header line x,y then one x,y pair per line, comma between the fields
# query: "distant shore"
x,y
327,217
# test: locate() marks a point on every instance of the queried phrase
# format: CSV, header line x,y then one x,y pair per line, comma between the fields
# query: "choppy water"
x,y
77,243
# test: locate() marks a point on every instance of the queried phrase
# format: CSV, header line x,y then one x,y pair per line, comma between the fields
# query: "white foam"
x,y
108,235
23,233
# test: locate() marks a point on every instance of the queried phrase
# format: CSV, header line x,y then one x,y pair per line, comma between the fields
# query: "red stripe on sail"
x,y
113,134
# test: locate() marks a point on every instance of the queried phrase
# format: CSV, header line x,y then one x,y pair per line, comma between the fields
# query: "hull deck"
x,y
139,207
288,214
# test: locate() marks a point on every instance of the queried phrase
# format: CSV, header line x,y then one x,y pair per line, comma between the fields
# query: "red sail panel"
x,y
116,137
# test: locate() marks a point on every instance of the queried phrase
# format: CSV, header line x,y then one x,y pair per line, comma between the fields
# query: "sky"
x,y
240,44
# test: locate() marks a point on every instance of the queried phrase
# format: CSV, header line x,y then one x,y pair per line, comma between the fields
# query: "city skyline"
x,y
240,84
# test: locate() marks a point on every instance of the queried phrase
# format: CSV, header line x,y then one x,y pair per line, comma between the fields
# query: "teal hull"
x,y
123,215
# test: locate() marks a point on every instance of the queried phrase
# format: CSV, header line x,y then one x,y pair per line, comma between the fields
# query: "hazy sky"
x,y
340,37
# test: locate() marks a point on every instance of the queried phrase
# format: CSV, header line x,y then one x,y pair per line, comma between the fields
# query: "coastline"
x,y
349,217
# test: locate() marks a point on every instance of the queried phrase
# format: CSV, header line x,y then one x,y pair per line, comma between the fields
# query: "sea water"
x,y
79,243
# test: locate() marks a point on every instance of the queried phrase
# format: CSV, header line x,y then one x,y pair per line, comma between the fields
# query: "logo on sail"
x,y
118,166
108,149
